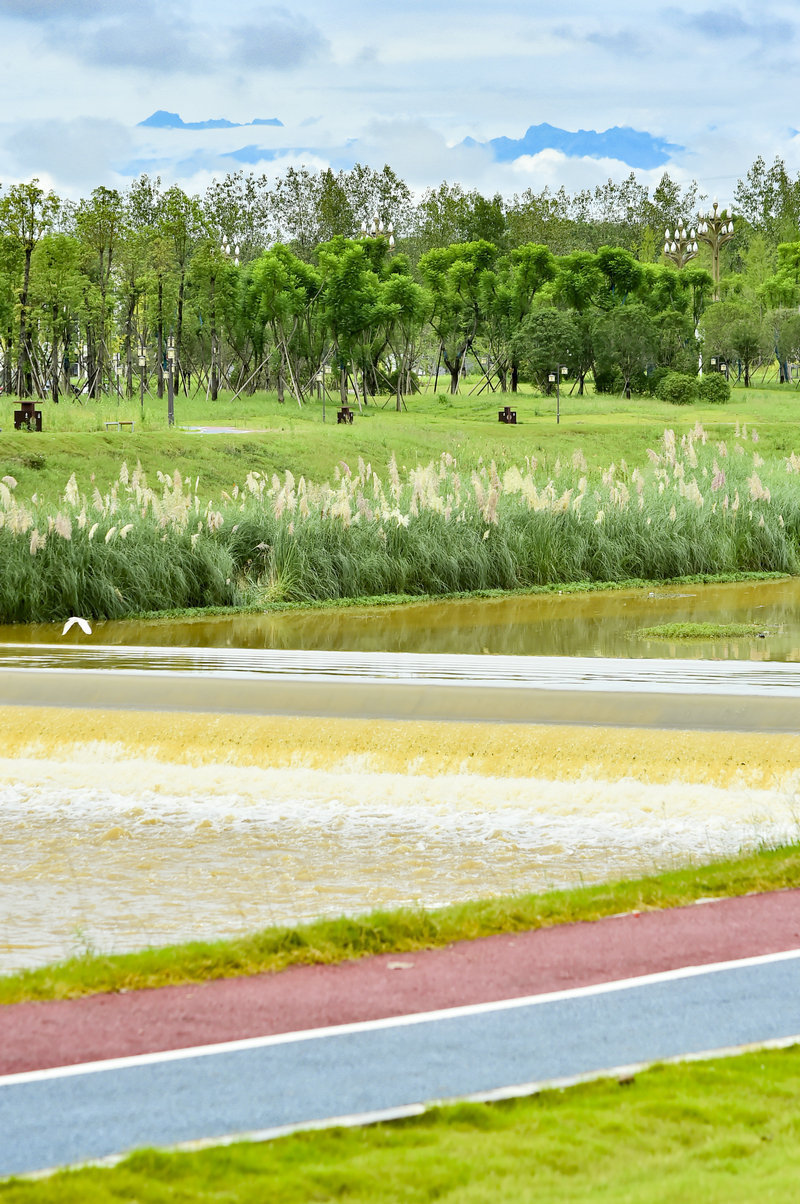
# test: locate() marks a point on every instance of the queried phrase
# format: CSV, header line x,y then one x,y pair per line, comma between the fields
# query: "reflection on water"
x,y
589,624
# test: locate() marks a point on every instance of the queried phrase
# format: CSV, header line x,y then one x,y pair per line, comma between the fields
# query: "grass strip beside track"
x,y
714,1131
330,941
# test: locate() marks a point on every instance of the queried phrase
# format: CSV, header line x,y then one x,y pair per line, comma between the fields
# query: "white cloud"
x,y
79,151
277,39
406,83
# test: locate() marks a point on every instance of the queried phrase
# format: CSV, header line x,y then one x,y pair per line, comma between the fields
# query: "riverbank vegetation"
x,y
330,941
695,506
694,632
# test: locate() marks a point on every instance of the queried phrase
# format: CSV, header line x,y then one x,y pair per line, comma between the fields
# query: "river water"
x,y
583,624
121,830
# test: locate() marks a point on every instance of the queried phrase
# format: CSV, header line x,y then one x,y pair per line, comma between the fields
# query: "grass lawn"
x,y
329,941
275,437
719,1132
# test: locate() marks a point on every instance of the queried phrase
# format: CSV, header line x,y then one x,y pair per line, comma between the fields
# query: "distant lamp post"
x,y
117,362
679,246
554,377
171,380
716,228
229,250
142,366
376,229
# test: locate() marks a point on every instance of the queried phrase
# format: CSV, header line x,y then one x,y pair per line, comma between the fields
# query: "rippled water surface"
x,y
586,624
158,854
116,849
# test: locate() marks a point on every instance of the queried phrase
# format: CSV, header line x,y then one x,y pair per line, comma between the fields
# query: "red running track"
x,y
67,1032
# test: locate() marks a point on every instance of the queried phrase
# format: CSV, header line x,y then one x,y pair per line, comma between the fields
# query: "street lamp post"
x,y
376,229
171,380
715,230
679,246
555,378
142,365
117,373
229,250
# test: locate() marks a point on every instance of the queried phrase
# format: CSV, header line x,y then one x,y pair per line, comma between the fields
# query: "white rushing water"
x,y
156,853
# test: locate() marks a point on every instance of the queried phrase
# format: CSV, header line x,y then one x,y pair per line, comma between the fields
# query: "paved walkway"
x,y
60,1033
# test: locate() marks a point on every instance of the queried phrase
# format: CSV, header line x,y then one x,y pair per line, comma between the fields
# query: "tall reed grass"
x,y
694,507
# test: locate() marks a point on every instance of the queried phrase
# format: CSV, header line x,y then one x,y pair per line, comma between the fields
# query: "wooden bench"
x,y
344,415
120,423
508,416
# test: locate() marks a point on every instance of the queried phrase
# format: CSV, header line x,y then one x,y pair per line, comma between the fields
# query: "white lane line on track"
x,y
384,1115
361,1026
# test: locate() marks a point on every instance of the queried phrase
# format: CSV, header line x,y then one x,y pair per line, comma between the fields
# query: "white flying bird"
x,y
84,626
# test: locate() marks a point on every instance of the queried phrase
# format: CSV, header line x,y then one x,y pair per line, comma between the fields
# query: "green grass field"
x,y
719,1132
276,437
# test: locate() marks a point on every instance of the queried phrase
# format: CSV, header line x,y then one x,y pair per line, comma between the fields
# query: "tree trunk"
x,y
214,383
24,388
129,348
160,334
7,378
54,362
179,331
90,361
514,376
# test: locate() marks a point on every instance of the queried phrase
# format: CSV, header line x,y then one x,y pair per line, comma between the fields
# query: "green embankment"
x,y
272,438
328,941
491,512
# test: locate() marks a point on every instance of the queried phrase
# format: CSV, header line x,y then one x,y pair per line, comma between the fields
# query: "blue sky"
x,y
428,86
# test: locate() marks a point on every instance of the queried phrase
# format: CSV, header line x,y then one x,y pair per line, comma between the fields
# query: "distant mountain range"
x,y
634,147
162,120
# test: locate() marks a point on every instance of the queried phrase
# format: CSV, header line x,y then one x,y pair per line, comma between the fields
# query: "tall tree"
x,y
454,277
26,213
99,222
56,292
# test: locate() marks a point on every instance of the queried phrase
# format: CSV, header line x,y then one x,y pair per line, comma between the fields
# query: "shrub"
x,y
605,382
654,379
678,388
714,389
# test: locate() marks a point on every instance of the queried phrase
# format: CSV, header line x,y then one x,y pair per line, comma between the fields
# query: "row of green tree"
x,y
255,285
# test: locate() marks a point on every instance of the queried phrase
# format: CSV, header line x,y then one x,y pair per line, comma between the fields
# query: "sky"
x,y
437,89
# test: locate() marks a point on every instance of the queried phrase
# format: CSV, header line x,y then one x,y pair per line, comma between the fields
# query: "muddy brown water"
x,y
122,830
586,624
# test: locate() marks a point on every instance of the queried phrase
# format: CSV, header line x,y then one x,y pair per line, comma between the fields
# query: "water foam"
x,y
171,852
